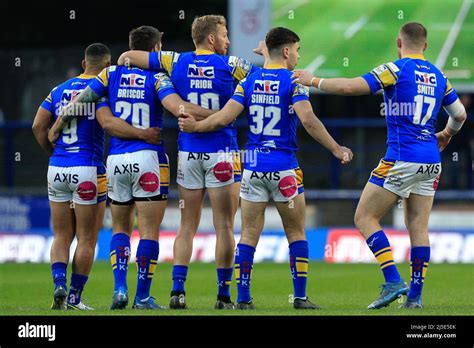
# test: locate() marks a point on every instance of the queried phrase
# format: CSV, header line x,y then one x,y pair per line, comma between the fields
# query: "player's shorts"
x,y
137,176
403,178
81,184
282,186
197,170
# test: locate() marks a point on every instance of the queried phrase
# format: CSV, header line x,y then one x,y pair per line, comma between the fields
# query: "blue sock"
x,y
59,271
147,258
243,270
77,285
420,257
380,246
179,275
224,278
299,254
119,257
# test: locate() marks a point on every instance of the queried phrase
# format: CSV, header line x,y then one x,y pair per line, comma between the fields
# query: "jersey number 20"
x,y
140,113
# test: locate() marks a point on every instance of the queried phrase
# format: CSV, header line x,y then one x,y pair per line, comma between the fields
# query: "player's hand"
x,y
304,77
344,154
262,49
151,135
443,139
53,135
186,122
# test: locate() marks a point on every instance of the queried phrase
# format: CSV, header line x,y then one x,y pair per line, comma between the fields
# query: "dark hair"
x,y
144,38
96,53
414,34
205,25
277,37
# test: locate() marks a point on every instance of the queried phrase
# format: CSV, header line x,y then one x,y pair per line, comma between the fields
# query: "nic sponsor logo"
x,y
428,79
266,86
206,72
132,80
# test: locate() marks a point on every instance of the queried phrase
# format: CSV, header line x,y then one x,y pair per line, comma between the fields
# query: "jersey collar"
x,y
203,52
274,66
84,76
415,56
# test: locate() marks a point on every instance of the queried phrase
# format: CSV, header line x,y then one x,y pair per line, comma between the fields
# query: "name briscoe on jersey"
x,y
133,95
415,82
82,136
268,96
206,79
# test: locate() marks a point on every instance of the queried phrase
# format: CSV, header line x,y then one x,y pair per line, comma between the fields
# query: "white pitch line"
x,y
316,63
453,34
355,27
291,6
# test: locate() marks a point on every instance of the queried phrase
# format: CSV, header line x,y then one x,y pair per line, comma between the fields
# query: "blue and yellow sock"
x,y
59,272
243,271
224,278
119,258
78,282
299,253
380,246
420,257
179,274
147,259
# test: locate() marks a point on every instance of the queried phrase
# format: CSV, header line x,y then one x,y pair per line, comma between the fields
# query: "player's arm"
x,y
343,86
41,123
173,102
119,128
136,58
92,93
316,129
457,116
230,111
177,106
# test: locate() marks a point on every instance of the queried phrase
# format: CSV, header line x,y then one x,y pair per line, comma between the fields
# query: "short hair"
x,y
205,25
414,34
276,38
96,53
144,38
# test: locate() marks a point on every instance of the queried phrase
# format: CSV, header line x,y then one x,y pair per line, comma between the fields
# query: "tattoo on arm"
x,y
86,96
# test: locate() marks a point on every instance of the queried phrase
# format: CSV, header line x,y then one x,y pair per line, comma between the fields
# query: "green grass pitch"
x,y
324,29
341,289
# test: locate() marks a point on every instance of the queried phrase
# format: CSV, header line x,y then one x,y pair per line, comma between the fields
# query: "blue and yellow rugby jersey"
x,y
133,95
206,79
81,142
268,96
414,91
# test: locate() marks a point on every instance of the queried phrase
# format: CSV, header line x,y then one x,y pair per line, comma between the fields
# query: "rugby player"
x,y
273,104
210,161
411,167
138,172
76,174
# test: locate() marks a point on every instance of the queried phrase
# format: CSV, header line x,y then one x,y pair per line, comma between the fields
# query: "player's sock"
x,y
224,278
380,246
77,285
147,258
243,269
420,257
119,257
59,271
299,253
179,275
